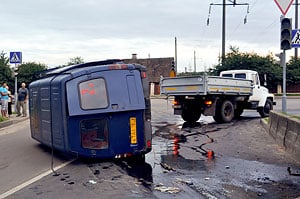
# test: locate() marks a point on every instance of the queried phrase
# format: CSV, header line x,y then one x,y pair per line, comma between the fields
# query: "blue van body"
x,y
97,109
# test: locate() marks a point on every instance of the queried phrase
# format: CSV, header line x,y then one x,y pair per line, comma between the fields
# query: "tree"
x,y
293,71
235,60
27,72
5,71
75,60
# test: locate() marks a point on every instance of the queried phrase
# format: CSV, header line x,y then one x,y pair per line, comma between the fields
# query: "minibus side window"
x,y
93,94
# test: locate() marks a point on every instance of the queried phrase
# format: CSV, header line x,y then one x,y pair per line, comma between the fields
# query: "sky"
x,y
52,32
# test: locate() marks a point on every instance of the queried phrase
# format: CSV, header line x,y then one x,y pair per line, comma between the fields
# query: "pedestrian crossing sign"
x,y
15,57
296,38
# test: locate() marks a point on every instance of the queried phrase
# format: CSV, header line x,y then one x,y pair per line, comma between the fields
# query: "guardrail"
x,y
286,132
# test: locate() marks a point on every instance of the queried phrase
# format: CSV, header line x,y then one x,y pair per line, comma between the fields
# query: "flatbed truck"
x,y
224,97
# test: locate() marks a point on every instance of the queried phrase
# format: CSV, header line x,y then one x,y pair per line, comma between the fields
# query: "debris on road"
x,y
92,182
165,189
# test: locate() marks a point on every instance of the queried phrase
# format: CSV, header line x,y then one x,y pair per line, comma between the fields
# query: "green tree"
x,y
293,71
235,60
75,60
28,72
5,71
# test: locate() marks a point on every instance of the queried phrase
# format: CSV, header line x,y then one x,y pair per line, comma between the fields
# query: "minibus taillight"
x,y
149,144
143,75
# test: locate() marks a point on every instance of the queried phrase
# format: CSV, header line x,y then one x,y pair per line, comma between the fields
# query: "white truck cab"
x,y
261,99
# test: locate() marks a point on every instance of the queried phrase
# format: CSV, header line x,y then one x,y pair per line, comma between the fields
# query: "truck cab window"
x,y
226,75
240,75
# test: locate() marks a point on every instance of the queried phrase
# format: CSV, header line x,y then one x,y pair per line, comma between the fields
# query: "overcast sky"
x,y
53,31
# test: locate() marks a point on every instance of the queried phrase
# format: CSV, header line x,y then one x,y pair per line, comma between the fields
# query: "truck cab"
x,y
260,99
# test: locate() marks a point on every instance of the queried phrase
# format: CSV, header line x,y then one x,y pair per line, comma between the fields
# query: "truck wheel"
x,y
225,112
265,111
190,116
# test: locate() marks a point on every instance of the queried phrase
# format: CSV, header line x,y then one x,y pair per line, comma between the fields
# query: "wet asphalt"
x,y
200,160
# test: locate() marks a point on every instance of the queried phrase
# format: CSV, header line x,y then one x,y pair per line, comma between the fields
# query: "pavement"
x,y
12,120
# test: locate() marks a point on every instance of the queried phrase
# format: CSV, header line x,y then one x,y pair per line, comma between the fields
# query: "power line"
x,y
224,4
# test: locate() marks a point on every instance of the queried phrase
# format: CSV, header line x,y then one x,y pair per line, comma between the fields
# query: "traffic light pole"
x,y
283,62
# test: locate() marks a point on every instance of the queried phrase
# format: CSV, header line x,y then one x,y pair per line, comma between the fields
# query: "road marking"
x,y
25,184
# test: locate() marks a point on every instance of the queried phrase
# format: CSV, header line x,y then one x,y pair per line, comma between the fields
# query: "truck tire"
x,y
265,111
190,115
224,112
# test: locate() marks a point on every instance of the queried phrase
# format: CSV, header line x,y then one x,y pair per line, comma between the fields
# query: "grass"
x,y
288,94
2,119
297,117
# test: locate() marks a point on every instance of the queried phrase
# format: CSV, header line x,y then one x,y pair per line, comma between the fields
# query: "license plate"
x,y
133,138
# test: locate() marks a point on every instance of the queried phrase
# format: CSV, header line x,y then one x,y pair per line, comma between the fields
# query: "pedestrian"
x,y
10,99
4,99
22,100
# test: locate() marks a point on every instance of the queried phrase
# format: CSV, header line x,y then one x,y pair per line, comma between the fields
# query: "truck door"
x,y
256,90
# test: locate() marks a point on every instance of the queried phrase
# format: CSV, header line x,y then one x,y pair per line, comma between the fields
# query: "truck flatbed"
x,y
205,85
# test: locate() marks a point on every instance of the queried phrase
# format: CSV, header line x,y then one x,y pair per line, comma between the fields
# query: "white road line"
x,y
25,184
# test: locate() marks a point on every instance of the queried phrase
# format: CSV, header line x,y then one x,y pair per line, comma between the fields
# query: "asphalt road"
x,y
292,105
22,158
247,163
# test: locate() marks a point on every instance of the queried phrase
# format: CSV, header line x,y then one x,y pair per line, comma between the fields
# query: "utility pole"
x,y
223,31
195,67
175,54
224,4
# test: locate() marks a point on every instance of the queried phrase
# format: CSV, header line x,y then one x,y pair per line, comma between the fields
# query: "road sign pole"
x,y
16,87
283,61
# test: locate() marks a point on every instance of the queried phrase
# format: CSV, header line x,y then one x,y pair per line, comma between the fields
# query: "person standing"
x,y
22,100
4,100
10,99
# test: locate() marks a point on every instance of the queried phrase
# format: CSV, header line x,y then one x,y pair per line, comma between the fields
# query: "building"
x,y
156,67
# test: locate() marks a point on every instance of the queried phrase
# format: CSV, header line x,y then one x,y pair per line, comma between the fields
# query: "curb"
x,y
285,131
11,122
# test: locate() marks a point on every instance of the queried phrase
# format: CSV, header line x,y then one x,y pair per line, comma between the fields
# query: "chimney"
x,y
134,56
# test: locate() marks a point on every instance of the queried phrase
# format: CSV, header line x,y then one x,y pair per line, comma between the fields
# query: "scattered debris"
x,y
293,173
206,178
92,182
167,167
165,189
227,167
188,182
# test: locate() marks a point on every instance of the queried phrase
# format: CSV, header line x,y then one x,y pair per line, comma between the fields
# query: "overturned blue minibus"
x,y
96,109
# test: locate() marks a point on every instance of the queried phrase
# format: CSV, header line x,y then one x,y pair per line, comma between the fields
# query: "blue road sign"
x,y
296,38
15,57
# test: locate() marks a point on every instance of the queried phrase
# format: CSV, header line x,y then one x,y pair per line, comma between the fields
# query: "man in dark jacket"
x,y
22,100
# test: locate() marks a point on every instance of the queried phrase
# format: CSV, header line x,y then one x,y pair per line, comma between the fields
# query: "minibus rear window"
x,y
93,94
94,134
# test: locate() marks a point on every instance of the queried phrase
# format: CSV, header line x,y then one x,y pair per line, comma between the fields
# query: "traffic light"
x,y
173,71
286,34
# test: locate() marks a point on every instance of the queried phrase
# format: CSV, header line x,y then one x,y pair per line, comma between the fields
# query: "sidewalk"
x,y
12,120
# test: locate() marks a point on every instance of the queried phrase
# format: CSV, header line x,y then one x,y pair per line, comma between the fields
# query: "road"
x,y
292,105
247,163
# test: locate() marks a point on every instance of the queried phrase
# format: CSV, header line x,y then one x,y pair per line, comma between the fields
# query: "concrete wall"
x,y
286,131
